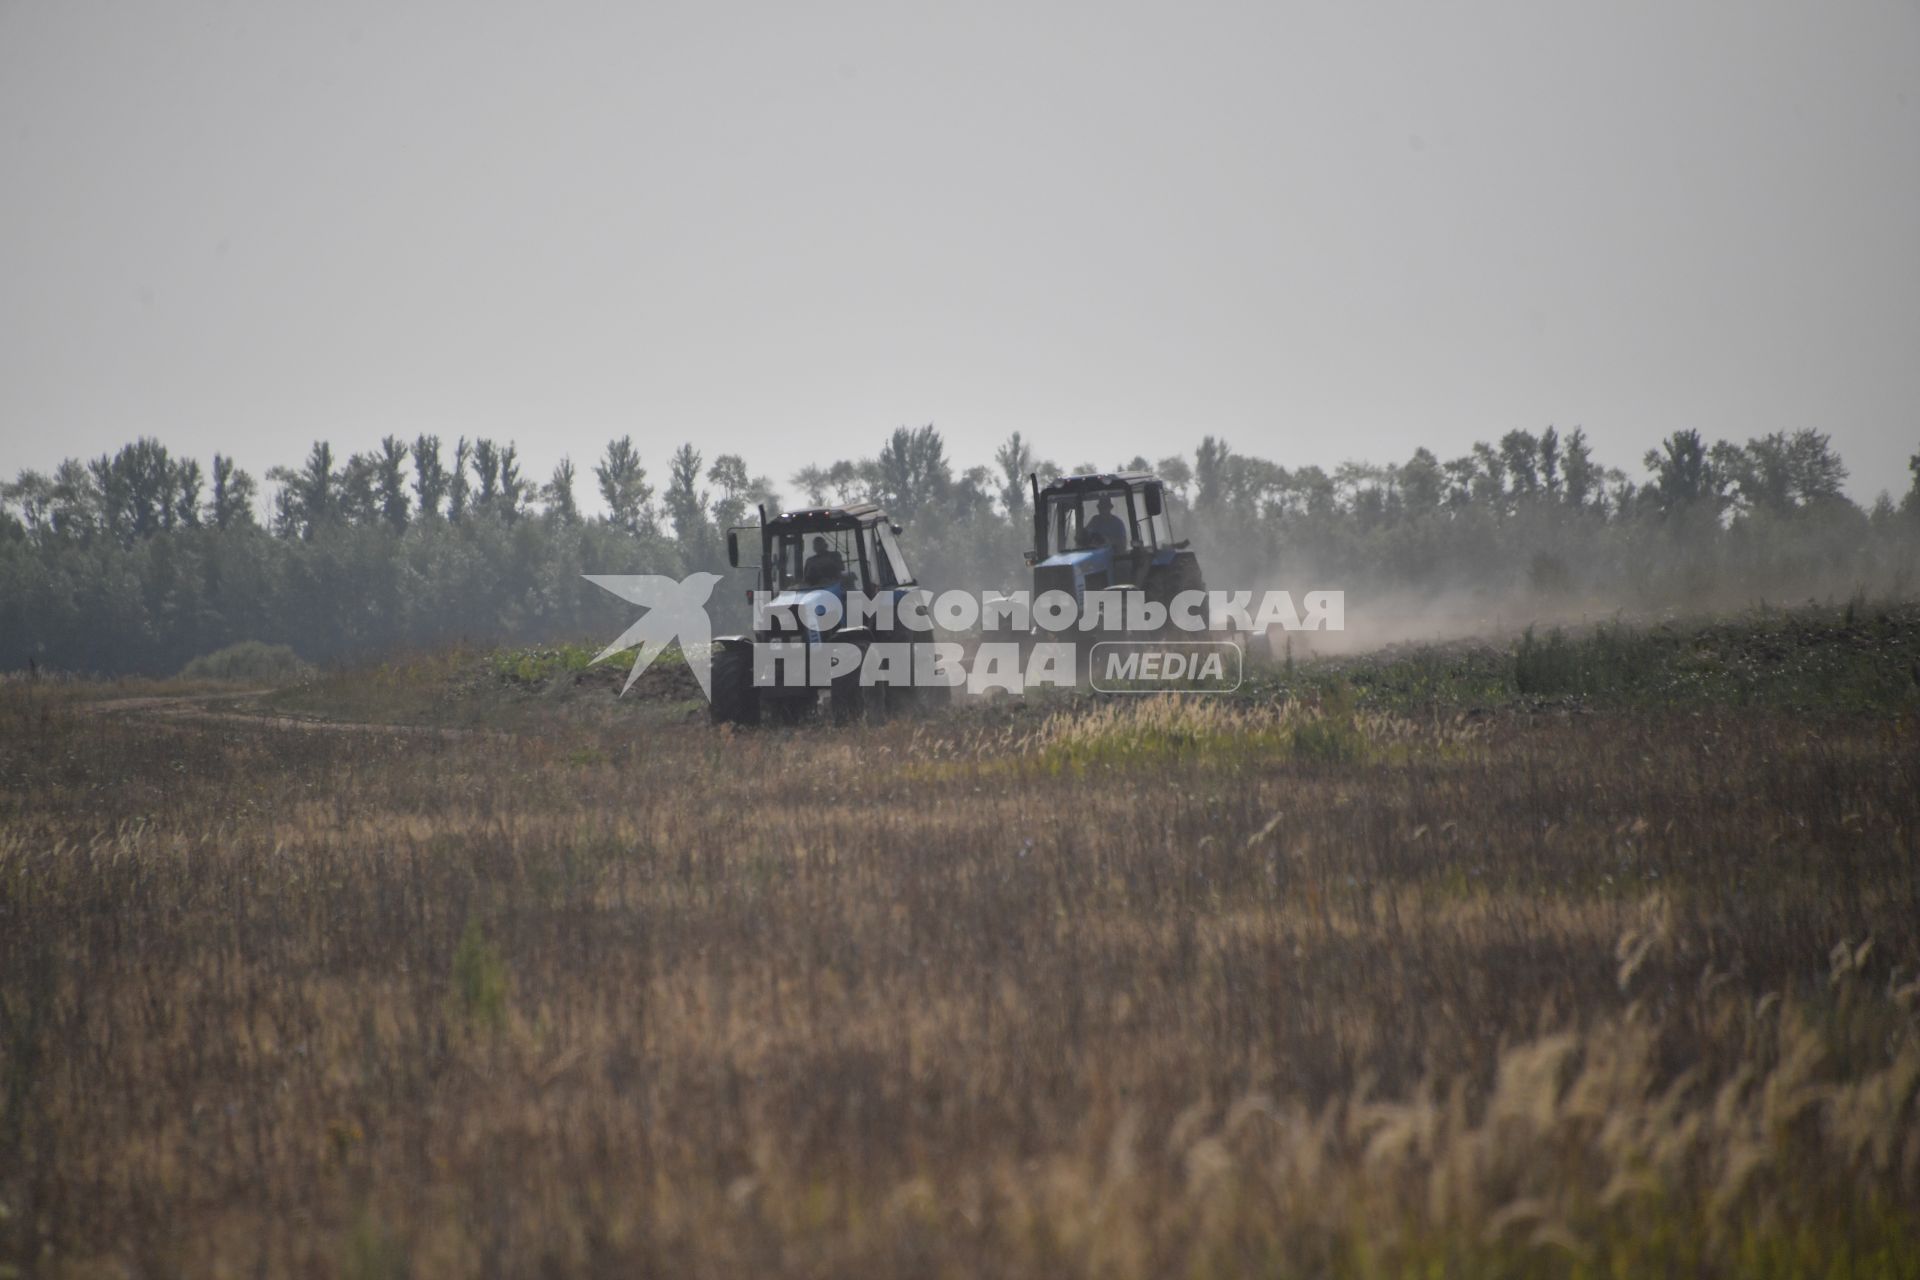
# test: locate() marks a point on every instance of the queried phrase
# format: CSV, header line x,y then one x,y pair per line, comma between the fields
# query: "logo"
x,y
676,610
810,639
1159,666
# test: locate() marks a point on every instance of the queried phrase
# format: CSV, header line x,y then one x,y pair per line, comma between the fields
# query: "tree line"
x,y
139,560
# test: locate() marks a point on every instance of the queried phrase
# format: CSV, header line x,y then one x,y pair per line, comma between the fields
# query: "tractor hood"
x,y
807,607
1090,560
1069,571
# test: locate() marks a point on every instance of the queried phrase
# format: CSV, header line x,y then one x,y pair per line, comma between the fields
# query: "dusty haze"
x,y
1322,231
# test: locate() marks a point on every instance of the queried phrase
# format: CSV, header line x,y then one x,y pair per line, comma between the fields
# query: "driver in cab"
x,y
1105,529
824,566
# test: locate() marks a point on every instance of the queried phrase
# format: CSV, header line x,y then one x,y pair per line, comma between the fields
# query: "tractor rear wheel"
x,y
853,702
1182,575
735,700
849,699
1169,582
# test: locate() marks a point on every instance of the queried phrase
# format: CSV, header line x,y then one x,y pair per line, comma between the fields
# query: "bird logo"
x,y
676,609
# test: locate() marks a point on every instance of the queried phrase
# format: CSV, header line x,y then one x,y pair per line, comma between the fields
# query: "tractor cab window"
x,y
1149,530
1078,522
890,564
865,566
808,560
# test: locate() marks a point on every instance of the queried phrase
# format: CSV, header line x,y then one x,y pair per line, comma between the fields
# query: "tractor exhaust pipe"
x,y
1039,520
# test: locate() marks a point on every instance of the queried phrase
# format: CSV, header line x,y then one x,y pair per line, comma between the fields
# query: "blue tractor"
x,y
1108,531
806,556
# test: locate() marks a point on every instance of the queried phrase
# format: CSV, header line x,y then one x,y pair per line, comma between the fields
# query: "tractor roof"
x,y
1107,480
825,519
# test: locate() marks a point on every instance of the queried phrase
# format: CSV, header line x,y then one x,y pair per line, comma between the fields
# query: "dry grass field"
x,y
1323,981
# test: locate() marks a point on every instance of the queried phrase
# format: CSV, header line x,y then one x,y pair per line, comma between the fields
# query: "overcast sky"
x,y
1323,231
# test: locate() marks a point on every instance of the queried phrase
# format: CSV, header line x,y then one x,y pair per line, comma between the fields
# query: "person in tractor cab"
x,y
824,566
1106,529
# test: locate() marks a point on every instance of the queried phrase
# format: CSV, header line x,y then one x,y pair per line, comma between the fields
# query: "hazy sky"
x,y
1321,230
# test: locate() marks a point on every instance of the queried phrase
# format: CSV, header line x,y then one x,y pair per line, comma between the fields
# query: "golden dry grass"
x,y
1150,990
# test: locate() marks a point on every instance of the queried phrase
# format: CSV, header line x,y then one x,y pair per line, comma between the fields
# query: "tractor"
x,y
1108,531
805,556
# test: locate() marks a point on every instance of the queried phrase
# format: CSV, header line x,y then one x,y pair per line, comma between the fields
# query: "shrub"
x,y
248,660
1329,740
1544,666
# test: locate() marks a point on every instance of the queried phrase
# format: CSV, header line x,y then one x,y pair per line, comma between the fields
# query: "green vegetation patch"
x,y
1855,659
541,664
249,660
1852,659
1154,732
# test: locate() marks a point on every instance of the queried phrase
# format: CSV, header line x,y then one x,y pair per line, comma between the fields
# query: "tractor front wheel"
x,y
735,699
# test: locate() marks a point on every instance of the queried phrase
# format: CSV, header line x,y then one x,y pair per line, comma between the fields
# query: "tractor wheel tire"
x,y
735,700
854,703
849,699
1181,576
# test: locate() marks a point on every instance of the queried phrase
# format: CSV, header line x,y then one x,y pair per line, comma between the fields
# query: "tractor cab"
x,y
832,550
1093,532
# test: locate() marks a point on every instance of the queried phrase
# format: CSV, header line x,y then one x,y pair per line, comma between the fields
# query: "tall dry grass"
x,y
1141,992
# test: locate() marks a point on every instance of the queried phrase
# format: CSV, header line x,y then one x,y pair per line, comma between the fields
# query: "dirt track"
x,y
194,707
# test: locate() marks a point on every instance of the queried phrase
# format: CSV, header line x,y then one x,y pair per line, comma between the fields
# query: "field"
x,y
1585,955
